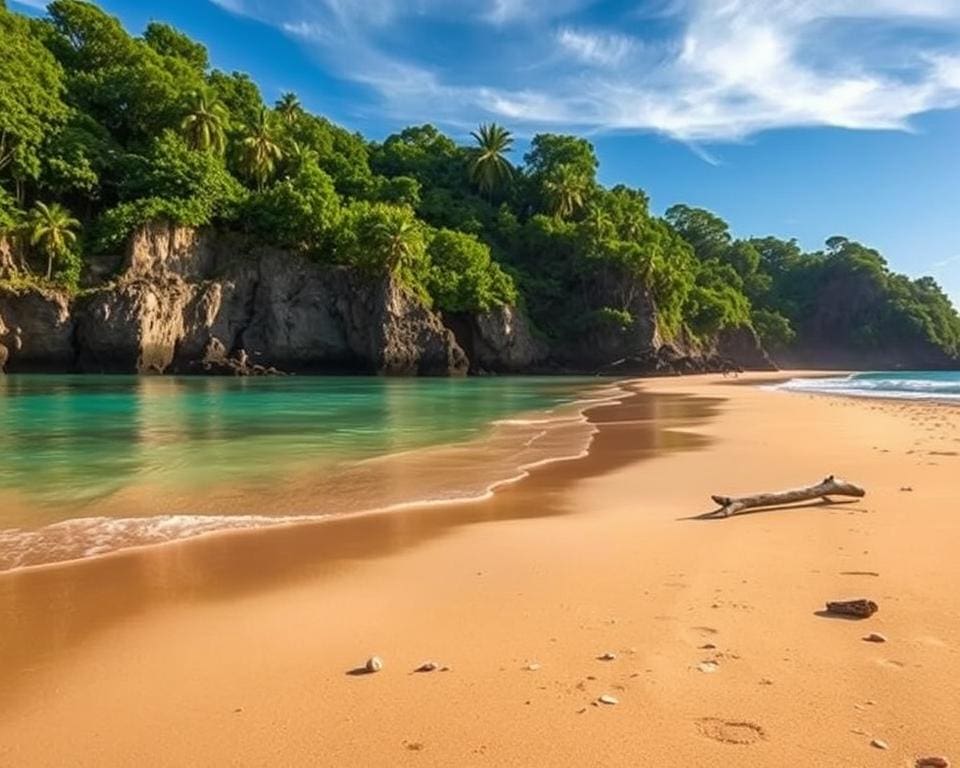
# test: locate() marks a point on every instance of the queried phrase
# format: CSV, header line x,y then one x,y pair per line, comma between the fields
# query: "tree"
x,y
706,232
299,212
550,151
126,84
239,94
397,238
379,239
288,107
75,157
168,41
463,277
52,228
489,169
425,154
259,152
171,170
565,191
31,85
204,125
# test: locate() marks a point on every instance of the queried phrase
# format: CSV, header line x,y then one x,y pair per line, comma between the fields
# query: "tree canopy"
x,y
102,131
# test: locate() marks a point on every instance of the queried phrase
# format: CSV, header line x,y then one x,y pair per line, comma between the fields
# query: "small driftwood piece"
x,y
829,487
858,609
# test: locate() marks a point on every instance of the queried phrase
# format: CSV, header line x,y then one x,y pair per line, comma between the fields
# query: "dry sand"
x,y
234,650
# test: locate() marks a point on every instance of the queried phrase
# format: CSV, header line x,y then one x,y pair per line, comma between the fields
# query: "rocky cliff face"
x,y
185,301
500,340
742,345
36,330
191,302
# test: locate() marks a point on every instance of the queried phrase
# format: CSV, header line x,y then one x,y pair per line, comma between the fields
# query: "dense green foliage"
x,y
101,131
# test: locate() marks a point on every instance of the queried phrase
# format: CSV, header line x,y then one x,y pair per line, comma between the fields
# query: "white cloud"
x,y
729,69
603,49
946,262
508,11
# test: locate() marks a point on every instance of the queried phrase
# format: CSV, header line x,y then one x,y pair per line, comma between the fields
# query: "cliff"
x,y
187,301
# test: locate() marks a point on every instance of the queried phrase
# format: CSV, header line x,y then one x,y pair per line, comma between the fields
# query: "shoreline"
x,y
239,646
506,455
291,550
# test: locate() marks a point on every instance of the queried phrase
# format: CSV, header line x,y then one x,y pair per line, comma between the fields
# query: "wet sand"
x,y
234,649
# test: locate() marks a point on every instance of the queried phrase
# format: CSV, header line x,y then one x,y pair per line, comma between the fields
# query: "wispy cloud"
x,y
946,262
707,71
598,48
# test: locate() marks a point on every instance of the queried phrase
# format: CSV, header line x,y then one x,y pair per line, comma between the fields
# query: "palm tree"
x,y
599,224
288,107
259,153
396,238
204,127
565,191
489,169
51,227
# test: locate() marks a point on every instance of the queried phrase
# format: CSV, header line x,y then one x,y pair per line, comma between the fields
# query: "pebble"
x,y
707,647
428,666
608,699
879,744
532,667
374,664
708,666
934,761
875,637
607,656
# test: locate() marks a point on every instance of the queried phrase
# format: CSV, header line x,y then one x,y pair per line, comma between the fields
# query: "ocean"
x,y
92,464
903,385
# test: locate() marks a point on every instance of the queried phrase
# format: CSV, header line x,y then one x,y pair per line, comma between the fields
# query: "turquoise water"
x,y
91,463
905,385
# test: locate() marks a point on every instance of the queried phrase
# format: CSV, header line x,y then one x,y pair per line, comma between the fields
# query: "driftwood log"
x,y
858,609
830,486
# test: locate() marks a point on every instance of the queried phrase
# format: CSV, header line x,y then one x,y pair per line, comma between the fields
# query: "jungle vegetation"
x,y
102,131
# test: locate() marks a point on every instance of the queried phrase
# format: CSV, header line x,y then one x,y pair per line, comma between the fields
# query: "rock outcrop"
x,y
742,345
7,256
36,330
187,301
667,360
190,302
499,340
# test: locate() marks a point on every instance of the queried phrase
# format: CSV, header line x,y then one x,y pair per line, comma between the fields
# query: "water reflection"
x,y
68,441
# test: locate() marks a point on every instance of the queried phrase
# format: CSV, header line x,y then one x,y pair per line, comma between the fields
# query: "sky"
x,y
799,118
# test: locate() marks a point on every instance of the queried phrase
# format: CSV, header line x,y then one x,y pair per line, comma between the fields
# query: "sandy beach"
x,y
236,649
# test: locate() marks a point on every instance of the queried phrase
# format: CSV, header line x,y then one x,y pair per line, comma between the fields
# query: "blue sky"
x,y
801,118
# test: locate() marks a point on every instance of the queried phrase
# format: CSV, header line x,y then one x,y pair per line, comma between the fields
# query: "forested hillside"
x,y
102,132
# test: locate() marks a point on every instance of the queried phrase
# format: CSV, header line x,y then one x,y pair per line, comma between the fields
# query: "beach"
x,y
237,648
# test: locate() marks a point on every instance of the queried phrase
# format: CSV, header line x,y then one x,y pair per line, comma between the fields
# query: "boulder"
x,y
503,342
36,329
133,327
742,346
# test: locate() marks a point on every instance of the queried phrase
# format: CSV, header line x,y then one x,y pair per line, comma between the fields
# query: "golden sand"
x,y
234,650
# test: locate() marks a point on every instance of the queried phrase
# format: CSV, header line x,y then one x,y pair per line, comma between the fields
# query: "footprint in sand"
x,y
892,663
731,731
